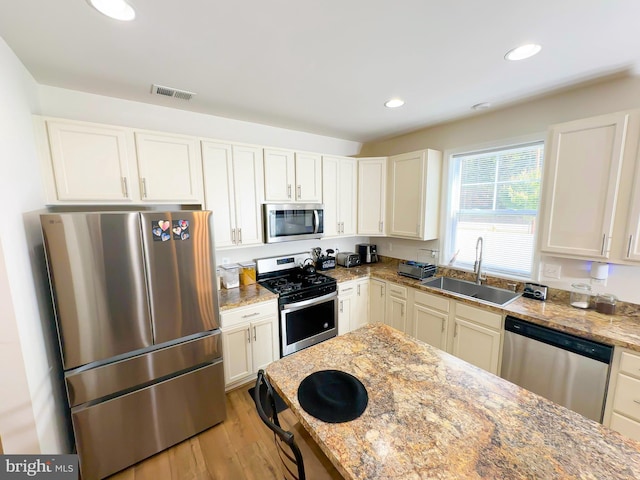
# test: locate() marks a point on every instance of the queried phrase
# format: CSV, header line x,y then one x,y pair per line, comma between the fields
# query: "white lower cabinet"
x,y
377,300
353,305
396,307
477,337
430,319
249,341
622,410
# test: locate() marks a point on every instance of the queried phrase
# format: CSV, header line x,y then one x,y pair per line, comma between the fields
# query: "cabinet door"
x,y
90,163
236,344
372,192
264,349
170,168
217,165
330,173
582,176
396,313
248,186
308,177
346,302
407,191
347,198
377,301
632,251
279,175
430,326
360,311
476,344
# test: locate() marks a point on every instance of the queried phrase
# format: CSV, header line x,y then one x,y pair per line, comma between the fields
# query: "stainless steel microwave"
x,y
286,222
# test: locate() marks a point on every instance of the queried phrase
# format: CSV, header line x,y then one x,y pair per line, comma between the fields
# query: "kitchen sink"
x,y
497,296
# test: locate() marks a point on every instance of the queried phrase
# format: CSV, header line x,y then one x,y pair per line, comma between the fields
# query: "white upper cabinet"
x,y
583,163
89,162
233,182
372,196
414,195
308,177
170,168
292,177
632,238
339,180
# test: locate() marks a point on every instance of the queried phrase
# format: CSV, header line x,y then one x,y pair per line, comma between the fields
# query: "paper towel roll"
x,y
599,270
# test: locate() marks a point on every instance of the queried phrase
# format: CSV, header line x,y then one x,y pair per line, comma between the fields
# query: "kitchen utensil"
x,y
580,295
417,270
348,259
368,252
535,290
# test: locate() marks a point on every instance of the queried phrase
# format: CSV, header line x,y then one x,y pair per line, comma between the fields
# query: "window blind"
x,y
496,195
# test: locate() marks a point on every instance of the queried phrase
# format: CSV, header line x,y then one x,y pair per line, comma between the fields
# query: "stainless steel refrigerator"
x,y
138,324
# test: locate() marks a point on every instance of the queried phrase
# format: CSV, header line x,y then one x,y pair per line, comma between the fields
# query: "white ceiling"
x,y
325,66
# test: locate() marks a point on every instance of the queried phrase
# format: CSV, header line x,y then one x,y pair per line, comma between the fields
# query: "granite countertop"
x,y
619,330
432,415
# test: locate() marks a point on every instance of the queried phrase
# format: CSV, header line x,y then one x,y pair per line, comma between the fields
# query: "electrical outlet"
x,y
551,270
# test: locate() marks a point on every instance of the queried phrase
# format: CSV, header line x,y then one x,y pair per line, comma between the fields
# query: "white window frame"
x,y
446,248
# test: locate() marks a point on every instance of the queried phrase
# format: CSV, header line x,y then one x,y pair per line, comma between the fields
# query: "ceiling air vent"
x,y
171,92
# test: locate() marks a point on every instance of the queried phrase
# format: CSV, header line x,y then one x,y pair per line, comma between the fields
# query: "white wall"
x,y
524,120
59,102
30,408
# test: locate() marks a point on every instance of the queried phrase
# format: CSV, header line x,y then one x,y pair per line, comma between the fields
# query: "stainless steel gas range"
x,y
308,301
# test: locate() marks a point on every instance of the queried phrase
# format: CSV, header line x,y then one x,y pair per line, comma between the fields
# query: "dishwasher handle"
x,y
581,346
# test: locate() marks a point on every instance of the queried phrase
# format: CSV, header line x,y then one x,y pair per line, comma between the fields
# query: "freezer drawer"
x,y
99,382
117,433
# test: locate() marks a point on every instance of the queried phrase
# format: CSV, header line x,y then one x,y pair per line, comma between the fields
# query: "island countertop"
x,y
432,415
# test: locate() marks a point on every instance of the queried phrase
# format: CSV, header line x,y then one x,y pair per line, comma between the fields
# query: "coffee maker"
x,y
368,252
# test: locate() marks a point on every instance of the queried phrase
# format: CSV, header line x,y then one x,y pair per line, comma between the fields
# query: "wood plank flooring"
x,y
239,448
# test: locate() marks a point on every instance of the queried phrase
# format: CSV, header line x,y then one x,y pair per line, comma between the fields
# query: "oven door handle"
x,y
312,301
316,221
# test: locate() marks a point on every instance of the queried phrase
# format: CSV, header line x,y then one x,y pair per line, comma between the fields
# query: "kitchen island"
x,y
432,415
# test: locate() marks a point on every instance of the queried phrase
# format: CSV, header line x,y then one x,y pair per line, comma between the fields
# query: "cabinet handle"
x,y
254,334
637,401
402,310
443,324
233,235
358,290
289,191
455,331
299,192
418,229
250,314
144,187
382,291
347,290
341,302
125,187
380,227
629,247
240,235
604,239
248,335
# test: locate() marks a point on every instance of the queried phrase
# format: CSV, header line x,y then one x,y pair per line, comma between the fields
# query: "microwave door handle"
x,y
316,220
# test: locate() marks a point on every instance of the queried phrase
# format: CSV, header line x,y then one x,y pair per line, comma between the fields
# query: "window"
x,y
495,194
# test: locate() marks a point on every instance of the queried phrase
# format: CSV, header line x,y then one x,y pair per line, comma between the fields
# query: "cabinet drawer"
x,y
483,317
249,313
627,396
346,288
433,301
625,426
397,290
630,363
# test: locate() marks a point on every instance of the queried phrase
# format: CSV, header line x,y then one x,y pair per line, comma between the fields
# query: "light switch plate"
x,y
551,270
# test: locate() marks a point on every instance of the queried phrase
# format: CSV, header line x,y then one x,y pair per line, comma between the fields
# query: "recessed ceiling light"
x,y
523,51
481,106
394,103
118,9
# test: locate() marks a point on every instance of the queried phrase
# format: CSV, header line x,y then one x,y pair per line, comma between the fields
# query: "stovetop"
x,y
297,286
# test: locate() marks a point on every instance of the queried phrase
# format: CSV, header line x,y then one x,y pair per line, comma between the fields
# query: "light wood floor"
x,y
241,447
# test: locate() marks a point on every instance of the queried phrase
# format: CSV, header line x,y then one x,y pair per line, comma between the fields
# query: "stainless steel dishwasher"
x,y
563,368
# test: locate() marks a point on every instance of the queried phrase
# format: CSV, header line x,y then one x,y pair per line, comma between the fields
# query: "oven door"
x,y
284,223
306,323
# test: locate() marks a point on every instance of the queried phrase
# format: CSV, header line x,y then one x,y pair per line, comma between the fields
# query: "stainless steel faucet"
x,y
477,266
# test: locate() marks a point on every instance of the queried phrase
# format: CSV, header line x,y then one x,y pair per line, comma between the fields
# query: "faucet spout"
x,y
477,266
